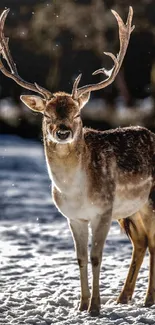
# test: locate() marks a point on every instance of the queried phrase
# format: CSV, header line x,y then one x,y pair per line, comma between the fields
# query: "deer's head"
x,y
61,111
61,115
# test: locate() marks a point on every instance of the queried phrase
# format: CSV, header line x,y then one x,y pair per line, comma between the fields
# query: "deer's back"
x,y
132,148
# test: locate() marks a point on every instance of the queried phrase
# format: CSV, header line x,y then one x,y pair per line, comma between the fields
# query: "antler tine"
x,y
3,17
4,42
75,85
13,74
124,35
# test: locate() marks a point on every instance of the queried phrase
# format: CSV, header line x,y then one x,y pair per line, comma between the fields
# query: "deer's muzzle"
x,y
63,133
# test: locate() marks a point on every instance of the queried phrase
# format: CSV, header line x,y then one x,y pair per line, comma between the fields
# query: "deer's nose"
x,y
63,132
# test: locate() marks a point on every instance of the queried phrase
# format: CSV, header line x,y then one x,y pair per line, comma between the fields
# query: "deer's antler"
x,y
13,73
124,35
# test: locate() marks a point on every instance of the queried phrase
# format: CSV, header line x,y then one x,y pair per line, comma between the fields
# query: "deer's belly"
x,y
130,198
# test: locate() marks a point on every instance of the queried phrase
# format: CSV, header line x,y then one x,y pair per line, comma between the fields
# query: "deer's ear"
x,y
83,99
35,103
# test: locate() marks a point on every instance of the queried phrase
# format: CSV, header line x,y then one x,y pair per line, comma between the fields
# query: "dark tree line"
x,y
53,41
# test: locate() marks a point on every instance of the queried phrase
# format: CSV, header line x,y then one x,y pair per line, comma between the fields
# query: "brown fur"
x,y
126,226
136,231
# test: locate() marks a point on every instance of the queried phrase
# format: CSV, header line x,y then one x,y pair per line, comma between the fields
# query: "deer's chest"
x,y
74,201
80,208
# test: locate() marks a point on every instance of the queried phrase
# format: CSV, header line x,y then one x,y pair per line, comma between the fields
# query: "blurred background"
x,y
53,41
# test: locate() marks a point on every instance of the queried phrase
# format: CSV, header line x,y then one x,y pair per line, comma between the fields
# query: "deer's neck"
x,y
64,162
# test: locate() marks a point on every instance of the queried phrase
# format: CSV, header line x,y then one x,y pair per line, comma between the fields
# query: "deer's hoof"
x,y
123,299
84,303
83,306
149,301
94,307
94,312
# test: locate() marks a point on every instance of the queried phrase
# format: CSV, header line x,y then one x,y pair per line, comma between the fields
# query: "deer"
x,y
97,176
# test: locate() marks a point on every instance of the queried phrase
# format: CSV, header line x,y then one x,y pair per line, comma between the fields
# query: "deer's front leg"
x,y
100,227
80,235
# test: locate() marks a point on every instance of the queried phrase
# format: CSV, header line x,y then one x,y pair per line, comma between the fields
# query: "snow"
x,y
39,274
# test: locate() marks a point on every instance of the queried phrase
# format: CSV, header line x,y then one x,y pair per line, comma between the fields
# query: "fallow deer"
x,y
96,176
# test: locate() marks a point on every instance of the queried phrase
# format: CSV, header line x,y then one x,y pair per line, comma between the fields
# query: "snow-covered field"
x,y
39,277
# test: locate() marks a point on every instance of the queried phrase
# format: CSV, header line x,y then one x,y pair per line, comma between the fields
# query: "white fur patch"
x,y
81,208
75,203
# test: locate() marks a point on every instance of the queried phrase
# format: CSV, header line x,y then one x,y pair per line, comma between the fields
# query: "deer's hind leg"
x,y
133,226
148,218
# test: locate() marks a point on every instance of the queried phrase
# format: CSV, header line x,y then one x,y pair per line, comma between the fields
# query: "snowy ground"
x,y
39,277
